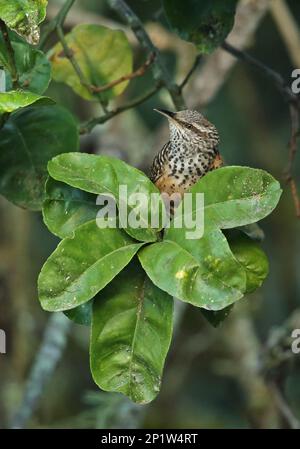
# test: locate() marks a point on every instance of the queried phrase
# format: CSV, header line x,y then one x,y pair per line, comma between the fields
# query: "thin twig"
x,y
58,20
139,72
10,55
294,108
89,125
190,72
270,73
160,73
70,55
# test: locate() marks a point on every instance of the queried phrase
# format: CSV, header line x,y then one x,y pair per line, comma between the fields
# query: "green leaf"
x,y
252,258
24,16
206,23
29,138
81,314
131,334
102,54
104,175
16,99
82,265
65,208
237,196
33,68
208,276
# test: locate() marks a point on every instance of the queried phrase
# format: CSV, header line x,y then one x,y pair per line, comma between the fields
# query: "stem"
x,y
191,71
88,126
58,20
160,73
10,54
294,108
69,54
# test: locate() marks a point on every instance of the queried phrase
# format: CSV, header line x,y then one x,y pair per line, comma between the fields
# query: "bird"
x,y
190,154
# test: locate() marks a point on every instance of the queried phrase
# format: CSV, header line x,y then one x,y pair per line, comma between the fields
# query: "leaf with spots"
x,y
131,334
82,265
237,196
65,208
24,17
203,272
104,175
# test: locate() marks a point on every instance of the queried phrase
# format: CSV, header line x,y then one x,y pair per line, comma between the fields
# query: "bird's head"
x,y
191,126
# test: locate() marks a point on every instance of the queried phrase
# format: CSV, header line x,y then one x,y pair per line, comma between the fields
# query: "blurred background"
x,y
240,375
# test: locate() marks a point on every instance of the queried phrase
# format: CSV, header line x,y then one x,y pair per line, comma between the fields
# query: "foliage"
x,y
24,16
99,64
206,23
120,280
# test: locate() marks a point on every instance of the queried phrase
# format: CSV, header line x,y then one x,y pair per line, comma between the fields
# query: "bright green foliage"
x,y
104,175
16,99
206,23
82,265
238,196
29,138
205,275
131,334
102,54
65,208
24,16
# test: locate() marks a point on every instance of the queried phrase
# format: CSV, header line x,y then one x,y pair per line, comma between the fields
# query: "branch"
x,y
70,55
294,107
89,125
190,72
50,352
139,72
10,55
216,68
159,71
57,21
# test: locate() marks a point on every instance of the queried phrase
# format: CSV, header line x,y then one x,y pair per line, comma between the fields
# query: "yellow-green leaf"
x,y
102,54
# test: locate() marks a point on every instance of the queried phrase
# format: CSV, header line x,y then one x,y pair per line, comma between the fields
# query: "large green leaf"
x,y
29,138
237,196
206,23
16,99
24,16
65,208
82,265
102,54
202,272
131,334
104,175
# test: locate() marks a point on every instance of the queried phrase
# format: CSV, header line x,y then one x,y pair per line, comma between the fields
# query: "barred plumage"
x,y
191,152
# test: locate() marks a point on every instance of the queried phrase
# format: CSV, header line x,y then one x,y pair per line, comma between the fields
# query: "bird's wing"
x,y
158,163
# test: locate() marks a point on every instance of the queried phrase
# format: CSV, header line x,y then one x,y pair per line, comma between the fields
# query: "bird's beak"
x,y
166,113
